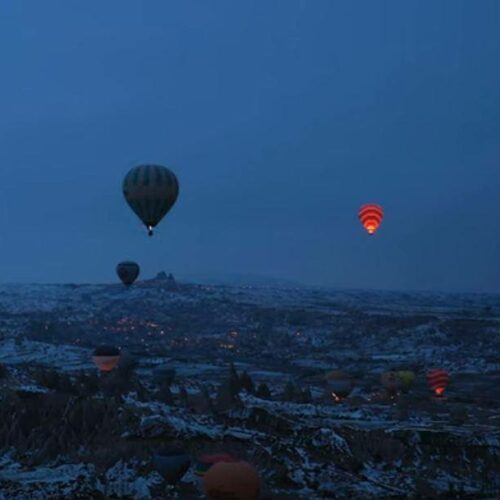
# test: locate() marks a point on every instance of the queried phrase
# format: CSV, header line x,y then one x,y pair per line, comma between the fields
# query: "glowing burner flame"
x,y
336,398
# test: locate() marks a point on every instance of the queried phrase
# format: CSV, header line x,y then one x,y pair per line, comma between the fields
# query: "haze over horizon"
x,y
279,118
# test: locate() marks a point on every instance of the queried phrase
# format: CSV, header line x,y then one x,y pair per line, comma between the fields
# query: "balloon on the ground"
x,y
151,191
171,465
106,358
128,272
391,382
407,379
371,216
338,385
438,381
236,480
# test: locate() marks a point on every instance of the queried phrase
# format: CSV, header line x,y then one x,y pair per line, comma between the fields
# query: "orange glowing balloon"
x,y
235,481
438,381
106,358
371,216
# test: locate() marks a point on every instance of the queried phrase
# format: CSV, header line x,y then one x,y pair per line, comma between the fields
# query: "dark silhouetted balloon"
x,y
338,385
438,381
106,358
171,465
391,382
151,191
128,272
236,480
371,216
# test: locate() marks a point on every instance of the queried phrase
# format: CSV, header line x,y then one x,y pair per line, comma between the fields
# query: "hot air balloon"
x,y
106,358
205,462
391,382
371,216
151,191
438,381
171,465
338,385
237,480
407,379
128,272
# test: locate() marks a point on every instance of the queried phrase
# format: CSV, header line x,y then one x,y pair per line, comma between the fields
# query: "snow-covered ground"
x,y
286,339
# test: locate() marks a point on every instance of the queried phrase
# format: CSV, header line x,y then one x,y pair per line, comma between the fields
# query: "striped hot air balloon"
x,y
128,272
151,191
438,381
371,216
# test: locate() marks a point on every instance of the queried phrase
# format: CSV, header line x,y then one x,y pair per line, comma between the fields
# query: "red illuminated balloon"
x,y
438,381
371,216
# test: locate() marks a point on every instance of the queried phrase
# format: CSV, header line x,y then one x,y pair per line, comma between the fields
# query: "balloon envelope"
x,y
438,381
338,384
171,465
106,358
407,379
150,191
391,382
371,216
128,272
237,480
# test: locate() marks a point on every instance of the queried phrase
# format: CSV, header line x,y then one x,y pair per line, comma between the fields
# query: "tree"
x,y
246,383
183,395
290,391
48,378
226,399
263,392
234,381
165,376
204,401
127,365
65,385
306,395
87,384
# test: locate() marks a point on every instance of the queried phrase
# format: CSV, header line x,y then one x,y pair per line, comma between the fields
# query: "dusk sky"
x,y
280,118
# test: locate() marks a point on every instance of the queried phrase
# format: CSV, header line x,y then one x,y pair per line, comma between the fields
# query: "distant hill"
x,y
242,279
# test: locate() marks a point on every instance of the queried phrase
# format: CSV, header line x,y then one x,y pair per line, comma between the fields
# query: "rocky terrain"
x,y
241,369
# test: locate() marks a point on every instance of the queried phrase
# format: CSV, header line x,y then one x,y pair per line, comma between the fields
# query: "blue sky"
x,y
280,119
